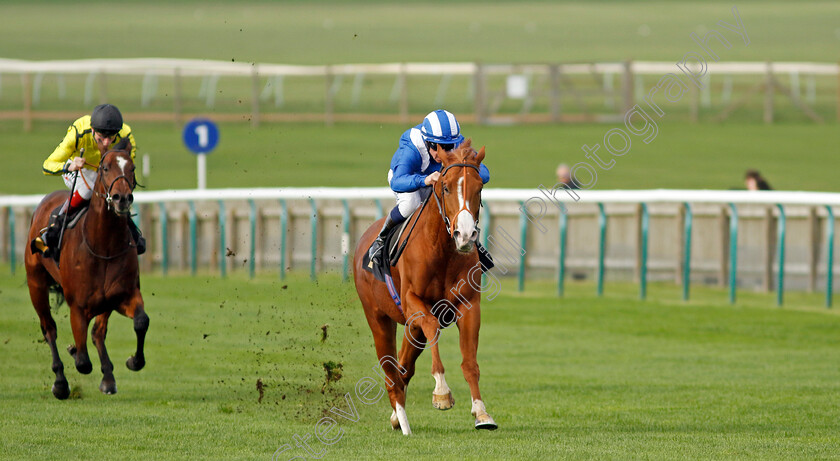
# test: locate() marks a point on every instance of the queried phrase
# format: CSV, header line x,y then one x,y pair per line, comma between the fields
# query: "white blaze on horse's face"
x,y
465,230
122,162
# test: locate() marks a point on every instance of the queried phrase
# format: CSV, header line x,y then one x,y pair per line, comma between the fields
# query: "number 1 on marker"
x,y
203,135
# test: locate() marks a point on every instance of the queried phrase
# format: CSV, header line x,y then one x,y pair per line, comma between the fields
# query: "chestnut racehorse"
x,y
438,279
98,272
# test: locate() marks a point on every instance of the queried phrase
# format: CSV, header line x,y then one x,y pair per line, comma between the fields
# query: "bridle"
x,y
110,202
107,195
441,209
441,204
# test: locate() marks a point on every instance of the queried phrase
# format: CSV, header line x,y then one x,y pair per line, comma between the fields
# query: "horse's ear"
x,y
124,144
479,156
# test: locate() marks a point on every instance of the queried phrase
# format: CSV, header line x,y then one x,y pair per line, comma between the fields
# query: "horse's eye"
x,y
105,169
445,189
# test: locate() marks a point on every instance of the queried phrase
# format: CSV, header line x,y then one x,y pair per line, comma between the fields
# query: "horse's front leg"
x,y
429,325
134,309
79,321
469,325
100,329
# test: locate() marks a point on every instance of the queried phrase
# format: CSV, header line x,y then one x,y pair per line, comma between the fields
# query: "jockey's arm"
x,y
406,180
132,141
58,162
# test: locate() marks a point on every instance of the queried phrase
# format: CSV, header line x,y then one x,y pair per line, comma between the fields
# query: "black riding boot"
x,y
48,242
484,258
137,236
379,243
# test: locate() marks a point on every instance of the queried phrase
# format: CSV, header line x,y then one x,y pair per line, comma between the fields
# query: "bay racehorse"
x,y
98,271
438,278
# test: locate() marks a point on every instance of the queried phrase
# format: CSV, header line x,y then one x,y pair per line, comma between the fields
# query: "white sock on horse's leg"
x,y
403,419
441,388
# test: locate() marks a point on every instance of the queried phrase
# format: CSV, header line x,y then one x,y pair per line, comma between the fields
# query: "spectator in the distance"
x,y
755,181
564,176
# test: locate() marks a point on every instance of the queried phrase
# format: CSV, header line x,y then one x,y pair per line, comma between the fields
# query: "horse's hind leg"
x,y
409,352
39,293
100,329
384,337
134,309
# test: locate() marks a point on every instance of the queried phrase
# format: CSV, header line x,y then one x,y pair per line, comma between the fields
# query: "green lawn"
x,y
578,377
683,155
360,31
793,154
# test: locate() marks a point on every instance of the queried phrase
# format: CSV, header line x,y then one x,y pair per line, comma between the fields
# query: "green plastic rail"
x,y
12,244
733,252
523,238
193,239
829,272
252,257
486,218
563,225
485,234
284,218
602,239
164,241
136,218
780,281
222,243
644,250
689,218
379,211
314,231
345,242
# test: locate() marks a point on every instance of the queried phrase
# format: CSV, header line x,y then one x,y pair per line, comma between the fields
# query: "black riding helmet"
x,y
106,119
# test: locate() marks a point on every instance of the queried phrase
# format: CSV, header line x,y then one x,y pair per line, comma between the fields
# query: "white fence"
x,y
754,240
555,92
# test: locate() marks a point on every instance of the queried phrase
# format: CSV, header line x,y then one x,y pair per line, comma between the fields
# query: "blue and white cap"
x,y
441,127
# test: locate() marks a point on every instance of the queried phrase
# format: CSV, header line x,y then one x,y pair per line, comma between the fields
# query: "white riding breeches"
x,y
407,202
84,185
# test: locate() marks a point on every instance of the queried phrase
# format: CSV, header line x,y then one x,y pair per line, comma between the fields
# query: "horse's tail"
x,y
58,299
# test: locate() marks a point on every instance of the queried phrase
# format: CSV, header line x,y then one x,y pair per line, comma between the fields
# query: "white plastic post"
x,y
202,171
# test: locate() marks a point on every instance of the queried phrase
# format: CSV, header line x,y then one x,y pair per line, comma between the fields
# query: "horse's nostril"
x,y
474,235
116,197
130,198
457,234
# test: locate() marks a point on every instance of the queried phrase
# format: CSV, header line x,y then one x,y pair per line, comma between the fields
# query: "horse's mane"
x,y
466,154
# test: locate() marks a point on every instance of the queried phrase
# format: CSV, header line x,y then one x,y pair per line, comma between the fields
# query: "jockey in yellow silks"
x,y
79,153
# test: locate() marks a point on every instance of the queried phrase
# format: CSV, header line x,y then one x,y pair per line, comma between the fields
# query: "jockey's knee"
x,y
408,204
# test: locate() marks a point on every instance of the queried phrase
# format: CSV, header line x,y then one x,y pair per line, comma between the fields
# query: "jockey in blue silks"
x,y
416,164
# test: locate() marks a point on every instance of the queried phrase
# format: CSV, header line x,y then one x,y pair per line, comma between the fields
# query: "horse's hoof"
x,y
443,402
108,387
395,422
61,390
84,367
484,421
134,364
